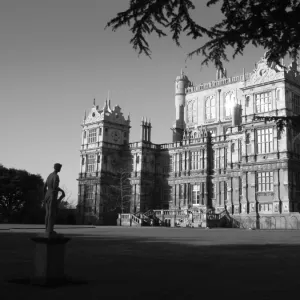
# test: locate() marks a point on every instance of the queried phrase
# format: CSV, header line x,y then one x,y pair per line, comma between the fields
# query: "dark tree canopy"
x,y
18,190
271,24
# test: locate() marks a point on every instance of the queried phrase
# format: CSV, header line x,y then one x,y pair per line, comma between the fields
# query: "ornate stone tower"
x,y
105,134
181,83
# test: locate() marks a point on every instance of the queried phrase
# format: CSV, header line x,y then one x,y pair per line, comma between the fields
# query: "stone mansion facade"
x,y
219,158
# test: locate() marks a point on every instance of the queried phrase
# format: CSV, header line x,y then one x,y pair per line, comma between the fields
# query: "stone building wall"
x,y
218,159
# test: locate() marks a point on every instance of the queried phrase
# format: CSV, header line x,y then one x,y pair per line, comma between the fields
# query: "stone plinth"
x,y
49,259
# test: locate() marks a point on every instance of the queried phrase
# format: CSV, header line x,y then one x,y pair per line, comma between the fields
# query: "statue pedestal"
x,y
49,259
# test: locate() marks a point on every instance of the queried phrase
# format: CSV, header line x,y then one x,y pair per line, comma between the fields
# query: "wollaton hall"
x,y
219,158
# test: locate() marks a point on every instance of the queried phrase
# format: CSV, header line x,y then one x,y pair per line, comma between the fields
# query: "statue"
x,y
51,189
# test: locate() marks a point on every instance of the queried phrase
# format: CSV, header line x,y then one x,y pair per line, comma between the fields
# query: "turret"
x,y
181,83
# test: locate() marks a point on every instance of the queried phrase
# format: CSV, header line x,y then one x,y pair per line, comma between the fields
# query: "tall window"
x,y
91,159
196,194
264,140
195,160
89,192
263,102
225,190
192,111
210,108
213,190
220,158
229,101
296,103
171,164
265,181
92,135
181,191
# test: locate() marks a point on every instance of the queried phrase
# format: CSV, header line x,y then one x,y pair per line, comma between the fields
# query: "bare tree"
x,y
119,191
66,202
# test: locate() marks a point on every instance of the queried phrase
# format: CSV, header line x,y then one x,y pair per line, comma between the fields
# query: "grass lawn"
x,y
160,263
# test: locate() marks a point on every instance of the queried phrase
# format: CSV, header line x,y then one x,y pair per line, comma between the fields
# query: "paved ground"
x,y
159,263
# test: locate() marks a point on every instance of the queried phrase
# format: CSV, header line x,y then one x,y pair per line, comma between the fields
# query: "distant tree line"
x,y
21,197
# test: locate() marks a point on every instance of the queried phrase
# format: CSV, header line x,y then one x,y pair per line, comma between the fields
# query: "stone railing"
x,y
124,216
136,219
216,83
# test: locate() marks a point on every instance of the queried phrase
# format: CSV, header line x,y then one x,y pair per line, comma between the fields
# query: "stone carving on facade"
x,y
285,207
94,116
265,72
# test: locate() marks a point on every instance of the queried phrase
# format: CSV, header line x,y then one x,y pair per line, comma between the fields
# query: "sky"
x,y
56,57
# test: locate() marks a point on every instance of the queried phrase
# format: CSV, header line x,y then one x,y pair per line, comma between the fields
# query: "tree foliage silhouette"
x,y
273,25
19,189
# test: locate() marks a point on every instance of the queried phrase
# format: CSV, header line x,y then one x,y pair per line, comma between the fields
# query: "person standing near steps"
x,y
51,189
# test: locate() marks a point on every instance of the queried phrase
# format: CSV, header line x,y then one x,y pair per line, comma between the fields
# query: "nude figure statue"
x,y
51,189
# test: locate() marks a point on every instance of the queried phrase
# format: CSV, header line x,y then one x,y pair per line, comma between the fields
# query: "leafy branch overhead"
x,y
271,24
281,122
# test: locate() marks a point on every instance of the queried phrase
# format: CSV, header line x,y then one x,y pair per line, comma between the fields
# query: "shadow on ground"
x,y
133,267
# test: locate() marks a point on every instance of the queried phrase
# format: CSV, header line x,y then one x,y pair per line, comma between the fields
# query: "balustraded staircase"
x,y
178,218
152,218
129,220
222,219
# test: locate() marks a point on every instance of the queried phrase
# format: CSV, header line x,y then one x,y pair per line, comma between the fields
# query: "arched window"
x,y
192,111
247,138
210,108
229,102
247,101
232,147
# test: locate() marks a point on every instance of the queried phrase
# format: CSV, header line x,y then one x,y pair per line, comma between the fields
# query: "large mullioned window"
x,y
91,159
192,112
89,192
229,102
264,140
210,108
220,158
263,102
265,181
197,194
92,135
197,160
